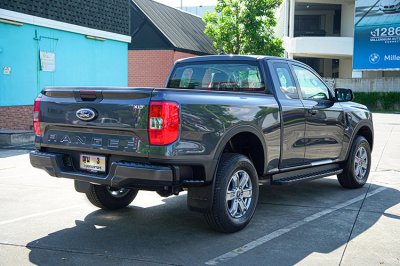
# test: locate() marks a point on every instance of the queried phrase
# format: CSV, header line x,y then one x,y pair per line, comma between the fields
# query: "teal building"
x,y
58,45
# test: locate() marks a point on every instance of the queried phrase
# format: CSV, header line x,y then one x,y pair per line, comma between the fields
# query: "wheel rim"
x,y
360,163
118,192
239,194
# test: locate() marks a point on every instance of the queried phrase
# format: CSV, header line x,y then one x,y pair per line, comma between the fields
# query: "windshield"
x,y
219,75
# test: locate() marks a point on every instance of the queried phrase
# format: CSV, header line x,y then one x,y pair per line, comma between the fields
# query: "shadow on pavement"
x,y
393,216
5,153
169,233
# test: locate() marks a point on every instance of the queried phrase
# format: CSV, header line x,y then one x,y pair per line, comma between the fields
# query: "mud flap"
x,y
81,186
200,199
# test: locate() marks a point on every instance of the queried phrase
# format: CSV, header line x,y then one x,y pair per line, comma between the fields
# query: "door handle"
x,y
312,111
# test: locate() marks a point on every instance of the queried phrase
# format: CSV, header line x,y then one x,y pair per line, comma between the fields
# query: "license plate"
x,y
93,163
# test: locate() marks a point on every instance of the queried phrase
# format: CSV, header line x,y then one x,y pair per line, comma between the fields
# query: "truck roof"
x,y
228,58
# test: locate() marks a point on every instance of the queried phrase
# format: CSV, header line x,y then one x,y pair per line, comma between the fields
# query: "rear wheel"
x,y
109,198
235,194
356,168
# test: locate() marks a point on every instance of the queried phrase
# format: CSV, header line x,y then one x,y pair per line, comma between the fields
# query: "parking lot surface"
x,y
43,221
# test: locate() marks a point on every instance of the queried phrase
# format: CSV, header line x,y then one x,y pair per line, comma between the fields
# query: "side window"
x,y
311,86
286,81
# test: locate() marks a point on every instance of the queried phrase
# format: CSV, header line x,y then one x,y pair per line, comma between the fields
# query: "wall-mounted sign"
x,y
6,70
47,61
377,35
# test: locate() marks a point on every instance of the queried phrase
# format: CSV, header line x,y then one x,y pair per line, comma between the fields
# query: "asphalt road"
x,y
44,221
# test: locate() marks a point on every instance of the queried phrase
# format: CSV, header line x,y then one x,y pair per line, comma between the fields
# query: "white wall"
x,y
391,74
320,47
345,68
370,84
280,29
380,74
347,20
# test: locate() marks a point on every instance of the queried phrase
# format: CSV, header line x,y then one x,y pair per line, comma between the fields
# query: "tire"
x,y
356,168
106,198
231,215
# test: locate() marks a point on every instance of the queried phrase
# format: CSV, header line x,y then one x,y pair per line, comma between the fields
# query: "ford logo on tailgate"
x,y
86,114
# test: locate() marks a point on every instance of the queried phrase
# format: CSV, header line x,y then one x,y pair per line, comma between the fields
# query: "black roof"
x,y
111,16
183,30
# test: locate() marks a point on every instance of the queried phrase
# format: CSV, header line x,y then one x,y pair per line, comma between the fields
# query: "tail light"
x,y
163,123
36,117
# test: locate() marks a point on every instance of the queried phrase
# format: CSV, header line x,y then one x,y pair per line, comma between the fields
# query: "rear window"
x,y
218,76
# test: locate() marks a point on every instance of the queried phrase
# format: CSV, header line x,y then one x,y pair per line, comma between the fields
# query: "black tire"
x,y
351,178
219,216
102,197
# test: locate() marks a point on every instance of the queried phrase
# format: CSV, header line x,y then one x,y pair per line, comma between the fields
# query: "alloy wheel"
x,y
239,194
360,163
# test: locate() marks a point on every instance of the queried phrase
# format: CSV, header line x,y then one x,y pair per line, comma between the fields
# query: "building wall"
x,y
180,55
145,35
345,68
16,117
281,16
380,74
150,68
79,62
390,84
198,10
347,20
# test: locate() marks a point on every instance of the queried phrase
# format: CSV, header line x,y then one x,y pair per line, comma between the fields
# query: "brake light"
x,y
36,117
163,123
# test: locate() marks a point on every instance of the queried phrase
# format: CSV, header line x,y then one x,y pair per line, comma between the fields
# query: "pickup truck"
x,y
222,126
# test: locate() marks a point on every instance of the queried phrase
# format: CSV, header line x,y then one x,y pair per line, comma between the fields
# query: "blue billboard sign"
x,y
377,35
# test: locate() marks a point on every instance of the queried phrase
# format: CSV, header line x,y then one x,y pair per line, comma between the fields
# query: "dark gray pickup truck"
x,y
222,125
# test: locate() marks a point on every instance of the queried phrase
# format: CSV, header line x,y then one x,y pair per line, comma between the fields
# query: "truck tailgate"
x,y
119,125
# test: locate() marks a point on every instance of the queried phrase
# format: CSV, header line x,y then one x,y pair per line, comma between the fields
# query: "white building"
x,y
320,33
198,10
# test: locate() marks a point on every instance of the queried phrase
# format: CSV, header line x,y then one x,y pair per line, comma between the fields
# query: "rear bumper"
x,y
121,174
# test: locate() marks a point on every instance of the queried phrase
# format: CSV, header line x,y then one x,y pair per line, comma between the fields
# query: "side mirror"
x,y
344,95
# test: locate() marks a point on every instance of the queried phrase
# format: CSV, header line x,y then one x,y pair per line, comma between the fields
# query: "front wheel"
x,y
356,168
235,194
109,198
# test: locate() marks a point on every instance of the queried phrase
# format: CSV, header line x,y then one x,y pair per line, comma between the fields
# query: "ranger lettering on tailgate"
x,y
85,140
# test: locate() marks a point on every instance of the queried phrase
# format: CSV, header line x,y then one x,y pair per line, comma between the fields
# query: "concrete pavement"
x,y
44,221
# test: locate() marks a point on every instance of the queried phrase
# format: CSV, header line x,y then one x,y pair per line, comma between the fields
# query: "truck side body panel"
x,y
208,117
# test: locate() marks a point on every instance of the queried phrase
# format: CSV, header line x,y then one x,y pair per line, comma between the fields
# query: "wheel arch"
x,y
364,129
200,198
240,135
367,133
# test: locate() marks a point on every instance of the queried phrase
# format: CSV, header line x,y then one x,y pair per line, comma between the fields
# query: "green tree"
x,y
244,27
